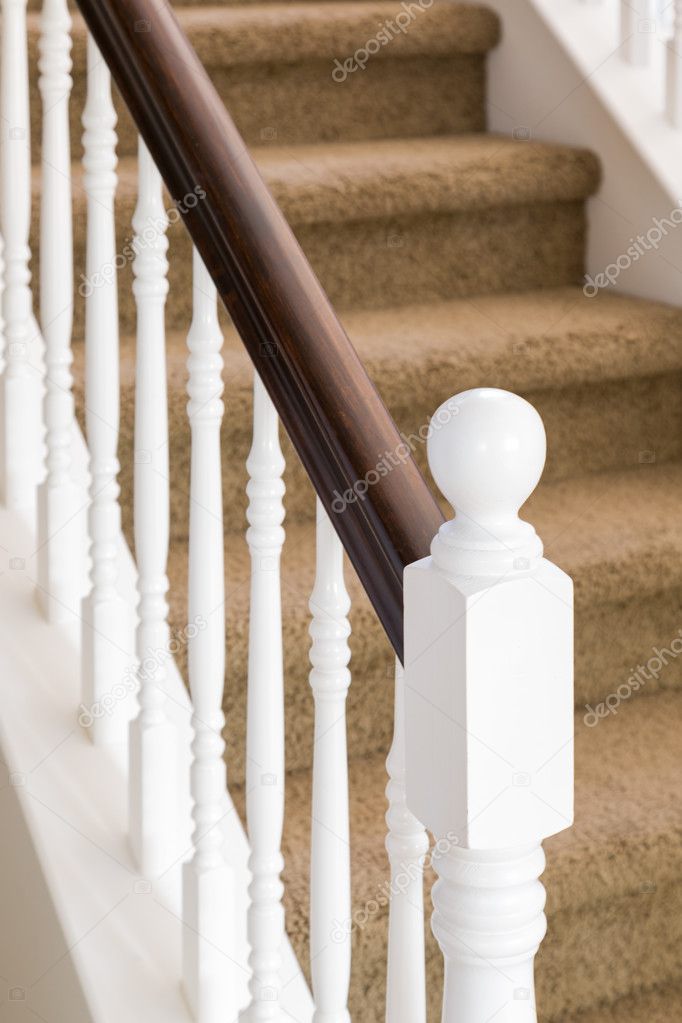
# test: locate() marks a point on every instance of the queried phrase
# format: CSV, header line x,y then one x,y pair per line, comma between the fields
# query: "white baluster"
x,y
330,896
207,879
407,844
265,717
673,98
489,705
60,555
153,737
108,638
21,390
637,30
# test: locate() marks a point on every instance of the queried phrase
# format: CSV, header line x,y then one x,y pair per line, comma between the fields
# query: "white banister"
x,y
153,739
265,712
489,705
673,92
208,906
20,389
59,554
406,844
330,893
637,30
107,639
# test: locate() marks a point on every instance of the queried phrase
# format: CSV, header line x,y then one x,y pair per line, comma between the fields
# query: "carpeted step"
x,y
273,64
618,534
580,361
395,222
613,881
661,1005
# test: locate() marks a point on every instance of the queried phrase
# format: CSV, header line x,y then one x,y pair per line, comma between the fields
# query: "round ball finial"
x,y
486,451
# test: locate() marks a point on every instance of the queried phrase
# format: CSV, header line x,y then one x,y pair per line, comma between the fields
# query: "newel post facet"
x,y
489,705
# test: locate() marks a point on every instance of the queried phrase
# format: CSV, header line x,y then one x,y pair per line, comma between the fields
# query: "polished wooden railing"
x,y
325,399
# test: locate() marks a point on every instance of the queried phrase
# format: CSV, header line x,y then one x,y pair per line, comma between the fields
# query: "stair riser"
x,y
290,103
380,263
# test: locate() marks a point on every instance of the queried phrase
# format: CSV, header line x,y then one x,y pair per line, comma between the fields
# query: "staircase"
x,y
455,259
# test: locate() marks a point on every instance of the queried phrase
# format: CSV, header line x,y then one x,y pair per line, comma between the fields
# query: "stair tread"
x,y
254,33
545,338
358,180
337,182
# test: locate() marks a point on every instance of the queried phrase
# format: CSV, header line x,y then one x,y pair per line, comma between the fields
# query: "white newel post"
x,y
153,748
406,844
60,555
330,891
489,705
673,92
208,905
637,30
20,388
265,713
108,627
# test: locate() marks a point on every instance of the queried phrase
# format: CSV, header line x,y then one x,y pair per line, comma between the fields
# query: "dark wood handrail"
x,y
327,403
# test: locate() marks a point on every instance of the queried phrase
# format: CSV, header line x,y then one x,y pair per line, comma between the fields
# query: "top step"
x,y
323,72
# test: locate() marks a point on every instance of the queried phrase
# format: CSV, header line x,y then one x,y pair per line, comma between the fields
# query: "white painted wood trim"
x,y
21,390
108,647
265,777
61,545
330,889
121,937
407,845
593,98
209,892
153,737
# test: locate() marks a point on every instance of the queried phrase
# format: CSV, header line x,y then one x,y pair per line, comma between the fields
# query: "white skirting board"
x,y
82,936
558,76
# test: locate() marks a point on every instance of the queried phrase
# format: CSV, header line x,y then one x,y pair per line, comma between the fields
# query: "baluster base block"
x,y
208,951
108,668
62,537
153,796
